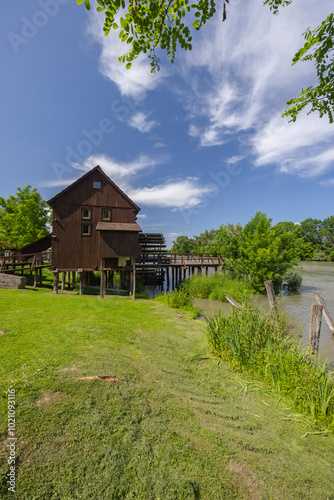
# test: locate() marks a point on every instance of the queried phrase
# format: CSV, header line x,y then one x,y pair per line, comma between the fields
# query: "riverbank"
x,y
176,424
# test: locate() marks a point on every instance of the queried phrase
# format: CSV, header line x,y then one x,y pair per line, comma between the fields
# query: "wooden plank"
x,y
233,302
319,298
315,327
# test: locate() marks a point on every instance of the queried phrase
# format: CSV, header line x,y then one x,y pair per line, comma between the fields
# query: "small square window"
x,y
106,214
85,213
97,184
86,229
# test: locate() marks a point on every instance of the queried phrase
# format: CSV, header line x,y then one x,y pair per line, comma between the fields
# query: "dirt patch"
x,y
2,332
68,369
49,398
246,479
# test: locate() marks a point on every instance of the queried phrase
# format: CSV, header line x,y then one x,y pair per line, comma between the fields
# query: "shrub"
x,y
331,256
216,287
293,281
320,255
179,299
256,344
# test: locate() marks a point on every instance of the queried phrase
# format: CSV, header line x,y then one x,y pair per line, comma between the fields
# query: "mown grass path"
x,y
176,425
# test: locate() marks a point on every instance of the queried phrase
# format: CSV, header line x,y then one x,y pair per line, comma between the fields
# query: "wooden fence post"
x,y
271,296
315,326
319,298
233,302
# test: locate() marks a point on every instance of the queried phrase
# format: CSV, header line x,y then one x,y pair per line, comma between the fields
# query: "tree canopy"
x,y
23,218
145,26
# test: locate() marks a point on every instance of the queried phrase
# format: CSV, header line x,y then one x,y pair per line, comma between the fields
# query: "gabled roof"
x,y
95,169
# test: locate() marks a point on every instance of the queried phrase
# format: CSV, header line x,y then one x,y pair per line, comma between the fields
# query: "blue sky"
x,y
196,145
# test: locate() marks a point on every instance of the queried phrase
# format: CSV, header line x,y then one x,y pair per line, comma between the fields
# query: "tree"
x,y
259,251
23,218
148,25
183,244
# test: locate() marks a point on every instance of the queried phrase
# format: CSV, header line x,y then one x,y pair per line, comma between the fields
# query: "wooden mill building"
x,y
94,227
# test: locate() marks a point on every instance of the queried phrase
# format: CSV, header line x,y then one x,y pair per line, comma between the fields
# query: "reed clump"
x,y
261,346
179,299
217,286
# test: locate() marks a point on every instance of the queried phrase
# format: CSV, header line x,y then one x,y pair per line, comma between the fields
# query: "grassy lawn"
x,y
176,424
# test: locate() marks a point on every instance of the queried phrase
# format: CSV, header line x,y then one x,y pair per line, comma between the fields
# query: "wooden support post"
x,y
68,279
73,276
55,283
81,288
35,278
40,277
271,296
319,298
167,279
173,277
315,326
206,270
112,279
101,280
134,279
63,281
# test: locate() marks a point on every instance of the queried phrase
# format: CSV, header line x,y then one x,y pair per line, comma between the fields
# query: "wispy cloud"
x,y
133,83
175,193
140,121
241,76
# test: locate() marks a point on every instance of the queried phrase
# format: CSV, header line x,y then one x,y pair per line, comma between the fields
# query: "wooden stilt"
x,y
134,279
173,277
81,288
40,277
271,296
101,280
55,283
35,278
63,281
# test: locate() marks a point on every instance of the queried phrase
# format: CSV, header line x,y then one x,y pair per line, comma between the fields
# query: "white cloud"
x,y
134,82
241,76
303,148
140,121
234,159
174,193
179,194
142,216
327,183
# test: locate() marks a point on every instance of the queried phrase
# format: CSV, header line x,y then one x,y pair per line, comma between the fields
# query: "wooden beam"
x,y
233,302
101,280
80,283
319,298
315,327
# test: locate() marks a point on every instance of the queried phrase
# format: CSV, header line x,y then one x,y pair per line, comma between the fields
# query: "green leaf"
x,y
128,66
115,26
87,4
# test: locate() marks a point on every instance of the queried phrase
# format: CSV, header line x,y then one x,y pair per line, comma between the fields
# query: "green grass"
x,y
255,343
216,287
179,299
176,425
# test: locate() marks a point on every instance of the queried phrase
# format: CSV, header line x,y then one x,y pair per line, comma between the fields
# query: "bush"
x,y
179,299
256,344
320,255
331,256
216,287
293,281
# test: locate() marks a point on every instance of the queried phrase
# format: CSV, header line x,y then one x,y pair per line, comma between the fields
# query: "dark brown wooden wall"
x,y
71,250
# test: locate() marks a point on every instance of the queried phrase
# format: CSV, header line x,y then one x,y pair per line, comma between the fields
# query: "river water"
x,y
317,276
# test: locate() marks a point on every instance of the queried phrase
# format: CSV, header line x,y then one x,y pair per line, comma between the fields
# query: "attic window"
x,y
105,214
96,184
85,213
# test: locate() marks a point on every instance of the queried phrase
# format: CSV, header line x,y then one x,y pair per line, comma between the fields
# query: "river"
x,y
317,276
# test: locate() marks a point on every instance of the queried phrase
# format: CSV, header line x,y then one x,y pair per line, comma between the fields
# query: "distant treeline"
x,y
315,238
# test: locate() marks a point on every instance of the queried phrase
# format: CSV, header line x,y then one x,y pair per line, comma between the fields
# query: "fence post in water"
x,y
233,302
315,326
319,298
271,296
